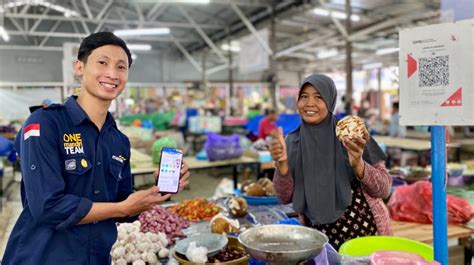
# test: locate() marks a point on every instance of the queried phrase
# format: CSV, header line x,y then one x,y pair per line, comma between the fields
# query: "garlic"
x,y
118,252
163,253
121,261
151,258
139,262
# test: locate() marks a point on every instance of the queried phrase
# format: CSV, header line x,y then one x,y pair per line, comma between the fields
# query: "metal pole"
x,y
204,74
273,70
380,94
348,60
230,92
438,162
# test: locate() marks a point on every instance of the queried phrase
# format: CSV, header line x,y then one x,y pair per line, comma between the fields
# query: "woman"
x,y
335,187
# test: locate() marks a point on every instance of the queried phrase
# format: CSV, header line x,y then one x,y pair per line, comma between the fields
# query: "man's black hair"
x,y
396,105
100,39
270,111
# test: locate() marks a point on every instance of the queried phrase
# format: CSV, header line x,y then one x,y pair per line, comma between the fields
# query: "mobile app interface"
x,y
170,167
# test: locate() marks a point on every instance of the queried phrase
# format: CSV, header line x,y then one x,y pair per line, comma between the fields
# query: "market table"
x,y
418,145
194,163
404,143
424,232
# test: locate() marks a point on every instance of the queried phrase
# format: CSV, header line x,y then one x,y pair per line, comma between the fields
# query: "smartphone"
x,y
170,170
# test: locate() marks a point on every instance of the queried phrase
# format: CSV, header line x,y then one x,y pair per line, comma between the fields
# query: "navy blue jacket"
x,y
66,165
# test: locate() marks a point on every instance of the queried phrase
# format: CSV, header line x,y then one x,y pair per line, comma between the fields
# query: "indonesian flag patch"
x,y
31,130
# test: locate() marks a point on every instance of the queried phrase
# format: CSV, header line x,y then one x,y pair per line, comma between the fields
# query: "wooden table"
x,y
409,144
404,143
424,232
418,145
193,164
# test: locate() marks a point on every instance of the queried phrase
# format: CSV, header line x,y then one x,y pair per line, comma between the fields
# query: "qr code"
x,y
434,71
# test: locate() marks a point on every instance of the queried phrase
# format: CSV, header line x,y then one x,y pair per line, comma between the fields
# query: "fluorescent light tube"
x,y
139,47
371,66
387,51
327,53
187,1
4,34
336,14
141,32
234,46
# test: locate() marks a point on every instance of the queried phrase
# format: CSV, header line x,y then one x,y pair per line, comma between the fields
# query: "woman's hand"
x,y
355,149
278,152
183,179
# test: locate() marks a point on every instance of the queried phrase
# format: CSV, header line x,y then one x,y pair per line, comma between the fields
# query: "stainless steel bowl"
x,y
283,243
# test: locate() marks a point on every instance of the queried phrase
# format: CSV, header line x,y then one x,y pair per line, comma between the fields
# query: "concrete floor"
x,y
203,183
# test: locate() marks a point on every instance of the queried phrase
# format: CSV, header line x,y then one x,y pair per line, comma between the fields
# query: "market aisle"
x,y
11,209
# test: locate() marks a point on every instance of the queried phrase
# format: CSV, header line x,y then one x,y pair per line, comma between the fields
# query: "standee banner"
x,y
436,74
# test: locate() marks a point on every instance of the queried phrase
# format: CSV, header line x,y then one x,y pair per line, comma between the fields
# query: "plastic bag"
x,y
349,260
328,256
220,147
398,257
413,203
158,144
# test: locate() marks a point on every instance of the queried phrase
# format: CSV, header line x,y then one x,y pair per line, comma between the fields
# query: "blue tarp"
x,y
289,122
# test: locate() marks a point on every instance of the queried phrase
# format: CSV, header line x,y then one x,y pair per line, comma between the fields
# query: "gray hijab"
x,y
321,168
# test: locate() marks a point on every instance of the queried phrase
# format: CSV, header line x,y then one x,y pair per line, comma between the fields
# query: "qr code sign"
x,y
434,71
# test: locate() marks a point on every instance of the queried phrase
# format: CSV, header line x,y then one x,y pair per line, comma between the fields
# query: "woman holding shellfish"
x,y
335,177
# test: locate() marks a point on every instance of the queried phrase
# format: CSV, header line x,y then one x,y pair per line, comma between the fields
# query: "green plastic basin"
x,y
365,246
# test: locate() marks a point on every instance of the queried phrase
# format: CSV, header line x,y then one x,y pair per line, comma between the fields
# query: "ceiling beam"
x,y
52,30
187,55
252,29
39,17
78,34
83,23
392,22
116,21
249,3
360,34
219,68
74,26
202,34
308,43
99,26
18,27
336,22
86,7
104,9
25,8
155,8
29,48
141,18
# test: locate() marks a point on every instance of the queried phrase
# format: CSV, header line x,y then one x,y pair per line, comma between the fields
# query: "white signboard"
x,y
252,56
436,74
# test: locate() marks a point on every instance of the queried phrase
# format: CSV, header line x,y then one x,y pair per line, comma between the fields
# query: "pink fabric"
x,y
376,185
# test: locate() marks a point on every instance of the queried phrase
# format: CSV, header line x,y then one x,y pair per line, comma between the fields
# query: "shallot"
x,y
159,219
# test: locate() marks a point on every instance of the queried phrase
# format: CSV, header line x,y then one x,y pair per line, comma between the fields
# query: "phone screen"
x,y
170,170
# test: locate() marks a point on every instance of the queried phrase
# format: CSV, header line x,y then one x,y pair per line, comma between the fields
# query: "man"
x,y
395,129
76,168
267,126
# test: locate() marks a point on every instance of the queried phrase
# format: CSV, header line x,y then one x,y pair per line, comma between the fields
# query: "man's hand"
x,y
142,200
183,179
